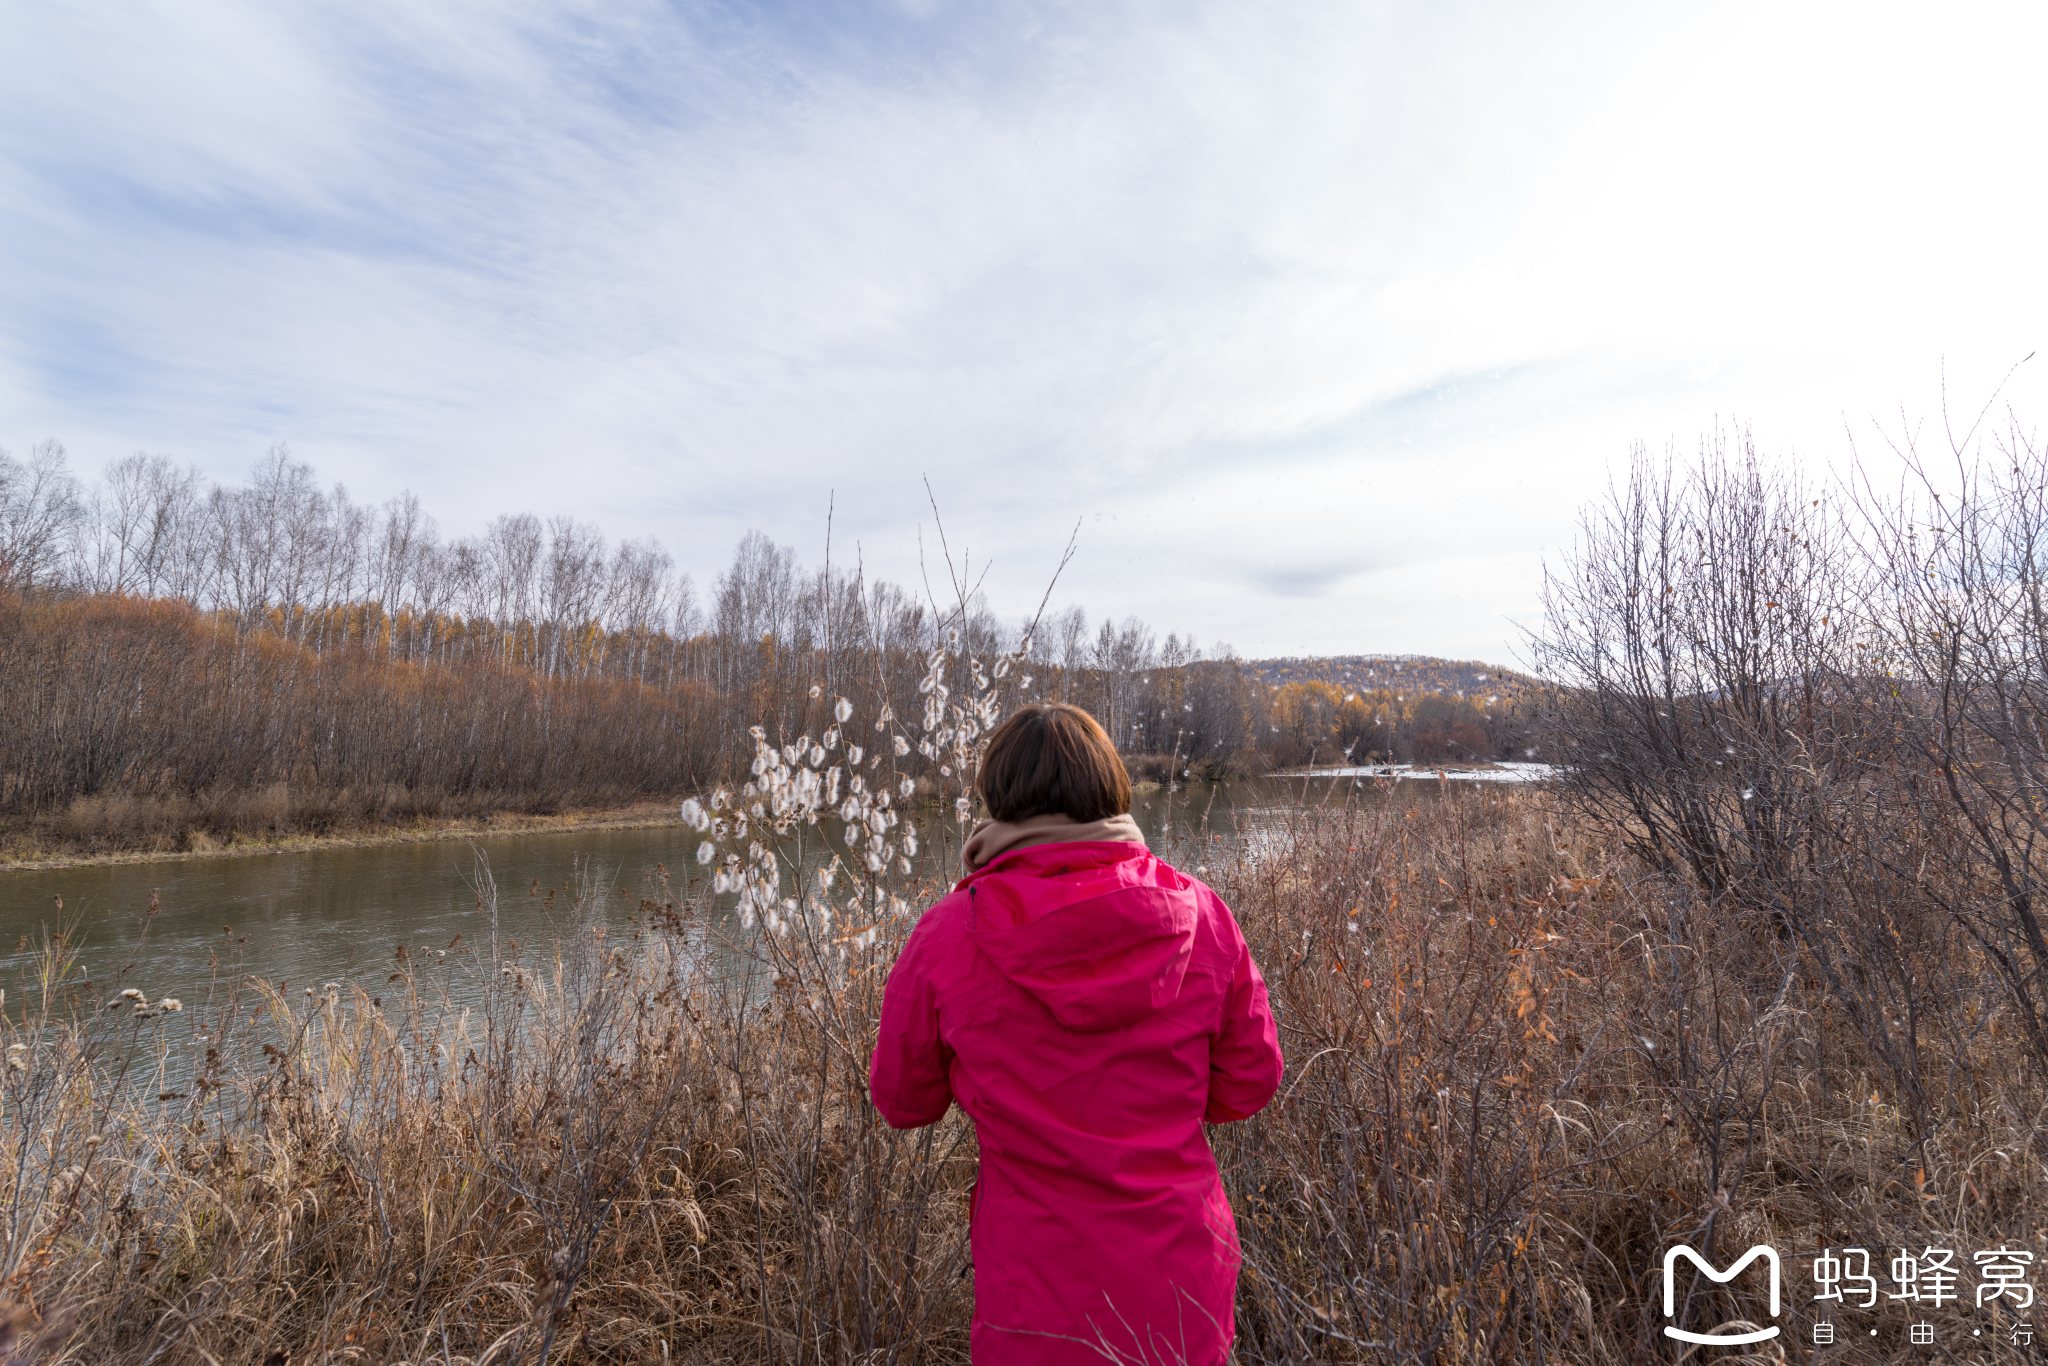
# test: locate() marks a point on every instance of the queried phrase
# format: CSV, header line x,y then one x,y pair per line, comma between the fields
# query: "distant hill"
x,y
1399,673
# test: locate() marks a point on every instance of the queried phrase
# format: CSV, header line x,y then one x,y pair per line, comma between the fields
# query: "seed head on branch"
x,y
826,826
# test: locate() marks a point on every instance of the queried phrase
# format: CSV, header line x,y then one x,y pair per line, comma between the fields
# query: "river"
x,y
309,917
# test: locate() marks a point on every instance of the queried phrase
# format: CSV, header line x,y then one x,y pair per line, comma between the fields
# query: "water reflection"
x,y
338,915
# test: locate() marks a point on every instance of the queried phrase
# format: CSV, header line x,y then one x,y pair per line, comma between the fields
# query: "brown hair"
x,y
1051,759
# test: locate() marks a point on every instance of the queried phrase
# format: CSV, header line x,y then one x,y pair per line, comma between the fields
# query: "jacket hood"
x,y
1101,933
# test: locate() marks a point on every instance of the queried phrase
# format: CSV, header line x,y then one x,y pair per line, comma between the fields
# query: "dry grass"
x,y
1533,1067
1526,1071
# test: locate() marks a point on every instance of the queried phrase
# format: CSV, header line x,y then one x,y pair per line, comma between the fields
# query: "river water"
x,y
335,915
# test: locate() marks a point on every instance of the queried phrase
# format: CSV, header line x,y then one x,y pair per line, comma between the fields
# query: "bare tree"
x,y
39,507
1120,658
510,562
1962,622
136,530
756,600
399,550
266,538
637,598
1692,637
573,586
337,539
1707,701
1066,636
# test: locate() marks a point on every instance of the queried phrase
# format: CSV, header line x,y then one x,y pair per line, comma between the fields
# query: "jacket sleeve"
x,y
1244,1054
909,1075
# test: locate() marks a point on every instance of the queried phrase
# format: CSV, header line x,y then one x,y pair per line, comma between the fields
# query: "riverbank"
x,y
46,846
116,830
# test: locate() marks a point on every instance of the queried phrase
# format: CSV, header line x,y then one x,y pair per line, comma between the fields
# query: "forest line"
x,y
274,658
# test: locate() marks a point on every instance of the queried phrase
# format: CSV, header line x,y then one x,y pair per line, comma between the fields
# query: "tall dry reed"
x,y
1522,1065
1519,1067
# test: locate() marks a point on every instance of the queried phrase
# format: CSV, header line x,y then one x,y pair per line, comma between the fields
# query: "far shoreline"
x,y
1494,771
634,816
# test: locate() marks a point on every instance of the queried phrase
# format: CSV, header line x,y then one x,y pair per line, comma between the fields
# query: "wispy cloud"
x,y
1322,318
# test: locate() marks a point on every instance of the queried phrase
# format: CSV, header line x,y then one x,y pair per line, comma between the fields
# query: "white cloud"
x,y
1323,319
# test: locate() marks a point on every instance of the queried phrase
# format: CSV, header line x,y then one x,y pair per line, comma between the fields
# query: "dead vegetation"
x,y
1520,1064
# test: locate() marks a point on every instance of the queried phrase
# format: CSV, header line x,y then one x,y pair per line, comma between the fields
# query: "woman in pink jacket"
x,y
1090,1008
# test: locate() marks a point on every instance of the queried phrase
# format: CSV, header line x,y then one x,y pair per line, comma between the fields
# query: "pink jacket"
x,y
1090,1008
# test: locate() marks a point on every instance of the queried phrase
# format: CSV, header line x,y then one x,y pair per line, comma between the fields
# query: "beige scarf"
x,y
990,838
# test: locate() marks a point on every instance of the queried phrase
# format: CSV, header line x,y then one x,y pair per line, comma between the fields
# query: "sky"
x,y
1322,321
